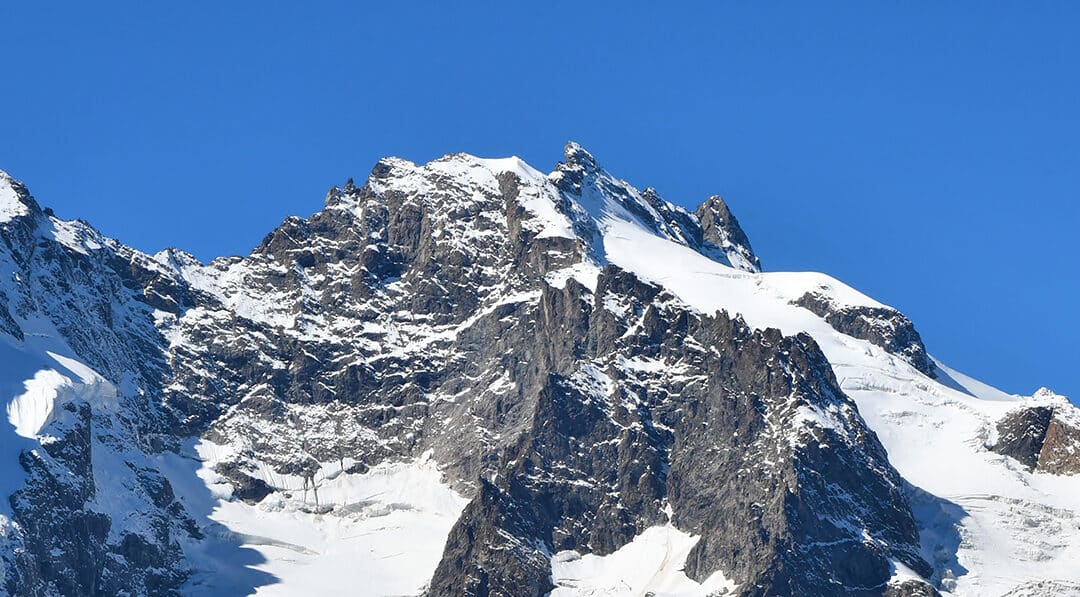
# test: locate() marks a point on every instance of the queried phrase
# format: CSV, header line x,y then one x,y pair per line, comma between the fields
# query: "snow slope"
x,y
652,564
380,532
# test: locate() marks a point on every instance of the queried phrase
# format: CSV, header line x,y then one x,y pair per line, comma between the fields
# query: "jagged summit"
x,y
576,200
578,156
722,230
15,199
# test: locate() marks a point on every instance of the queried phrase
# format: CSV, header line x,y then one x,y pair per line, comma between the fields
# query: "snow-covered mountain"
x,y
472,378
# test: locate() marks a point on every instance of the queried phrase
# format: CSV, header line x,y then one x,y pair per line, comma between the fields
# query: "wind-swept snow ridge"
x,y
470,377
48,390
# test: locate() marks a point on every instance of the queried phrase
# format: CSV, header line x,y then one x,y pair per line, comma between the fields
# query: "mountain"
x,y
471,378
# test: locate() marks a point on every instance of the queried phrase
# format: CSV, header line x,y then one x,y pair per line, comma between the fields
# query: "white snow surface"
x,y
377,533
650,564
48,389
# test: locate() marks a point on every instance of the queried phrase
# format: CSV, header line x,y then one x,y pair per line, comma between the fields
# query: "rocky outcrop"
x,y
1060,453
64,542
69,545
1021,434
880,326
721,233
1044,436
911,588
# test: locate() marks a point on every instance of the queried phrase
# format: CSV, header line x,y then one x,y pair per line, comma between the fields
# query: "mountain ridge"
x,y
532,334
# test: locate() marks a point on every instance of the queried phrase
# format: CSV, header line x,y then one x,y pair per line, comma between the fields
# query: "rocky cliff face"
x,y
1043,435
884,327
722,234
475,313
639,419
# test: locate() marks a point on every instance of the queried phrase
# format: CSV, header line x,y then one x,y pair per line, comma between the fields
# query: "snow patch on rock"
x,y
651,564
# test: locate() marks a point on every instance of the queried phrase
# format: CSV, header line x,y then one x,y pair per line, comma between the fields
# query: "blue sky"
x,y
926,153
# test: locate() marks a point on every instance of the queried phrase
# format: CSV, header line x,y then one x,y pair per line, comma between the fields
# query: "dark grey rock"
x,y
882,327
911,588
722,233
1021,434
1040,439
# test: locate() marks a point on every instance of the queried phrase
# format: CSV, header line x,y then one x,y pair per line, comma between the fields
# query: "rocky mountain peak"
x,y
15,199
1046,393
577,156
568,203
721,229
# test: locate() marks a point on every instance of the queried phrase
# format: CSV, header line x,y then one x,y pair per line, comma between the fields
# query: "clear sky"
x,y
926,153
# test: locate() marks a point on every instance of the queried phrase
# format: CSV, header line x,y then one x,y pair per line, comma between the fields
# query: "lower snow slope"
x,y
652,564
377,533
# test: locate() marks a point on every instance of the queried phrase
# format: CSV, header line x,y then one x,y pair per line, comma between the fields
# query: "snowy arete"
x,y
469,377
